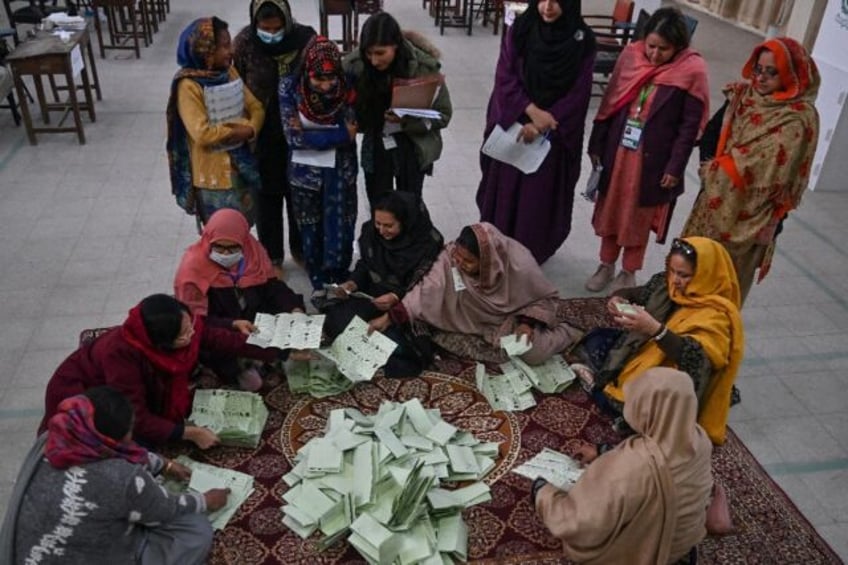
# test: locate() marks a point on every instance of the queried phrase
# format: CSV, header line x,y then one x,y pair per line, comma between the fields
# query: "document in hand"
x,y
287,331
238,417
357,354
210,476
504,146
557,468
409,95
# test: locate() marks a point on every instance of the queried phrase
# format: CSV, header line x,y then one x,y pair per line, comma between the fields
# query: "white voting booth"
x,y
830,168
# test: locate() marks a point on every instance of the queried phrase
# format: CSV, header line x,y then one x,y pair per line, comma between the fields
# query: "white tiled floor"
x,y
89,230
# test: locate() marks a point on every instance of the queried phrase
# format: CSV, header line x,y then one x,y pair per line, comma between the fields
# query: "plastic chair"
x,y
612,33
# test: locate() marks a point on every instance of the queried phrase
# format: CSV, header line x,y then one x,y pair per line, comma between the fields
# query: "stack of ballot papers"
x,y
287,331
557,468
512,390
237,417
376,481
206,477
317,377
357,354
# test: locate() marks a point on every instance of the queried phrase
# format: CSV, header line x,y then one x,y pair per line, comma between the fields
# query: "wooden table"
x,y
47,55
343,8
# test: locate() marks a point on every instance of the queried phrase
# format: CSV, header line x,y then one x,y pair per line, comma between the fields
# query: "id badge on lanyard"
x,y
634,127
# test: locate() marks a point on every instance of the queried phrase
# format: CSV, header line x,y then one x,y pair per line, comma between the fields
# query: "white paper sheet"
x,y
325,158
526,157
287,331
225,102
557,468
357,354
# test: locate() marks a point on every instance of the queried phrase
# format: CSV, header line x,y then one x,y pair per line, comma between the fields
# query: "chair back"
x,y
623,11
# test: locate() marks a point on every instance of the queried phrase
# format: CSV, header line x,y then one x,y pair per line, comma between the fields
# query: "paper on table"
x,y
324,158
526,157
287,331
357,354
557,468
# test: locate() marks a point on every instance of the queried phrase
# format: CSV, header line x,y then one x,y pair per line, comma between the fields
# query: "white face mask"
x,y
269,38
226,260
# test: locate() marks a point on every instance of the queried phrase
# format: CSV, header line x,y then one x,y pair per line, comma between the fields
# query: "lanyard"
x,y
643,96
239,272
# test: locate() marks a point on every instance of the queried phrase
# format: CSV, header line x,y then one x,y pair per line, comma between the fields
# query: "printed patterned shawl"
x,y
72,438
764,155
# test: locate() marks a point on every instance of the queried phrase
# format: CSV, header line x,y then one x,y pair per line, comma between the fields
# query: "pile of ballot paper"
x,y
237,417
206,477
375,480
513,389
557,468
317,377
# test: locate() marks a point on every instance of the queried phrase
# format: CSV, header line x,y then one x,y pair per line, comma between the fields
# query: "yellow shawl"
x,y
708,312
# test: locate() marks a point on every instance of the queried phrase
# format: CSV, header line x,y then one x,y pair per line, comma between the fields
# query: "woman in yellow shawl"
x,y
758,169
687,318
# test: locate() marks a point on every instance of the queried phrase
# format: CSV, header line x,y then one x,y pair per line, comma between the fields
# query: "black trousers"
x,y
275,193
398,166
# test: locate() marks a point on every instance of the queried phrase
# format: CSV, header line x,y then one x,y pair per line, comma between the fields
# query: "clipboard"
x,y
417,93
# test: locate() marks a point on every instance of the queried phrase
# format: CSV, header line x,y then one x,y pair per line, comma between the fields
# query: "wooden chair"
x,y
343,8
612,32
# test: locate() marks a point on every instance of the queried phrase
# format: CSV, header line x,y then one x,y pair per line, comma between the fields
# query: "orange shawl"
x,y
686,71
764,155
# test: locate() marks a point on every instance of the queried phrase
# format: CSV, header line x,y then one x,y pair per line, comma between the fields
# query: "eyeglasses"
x,y
683,247
235,248
770,72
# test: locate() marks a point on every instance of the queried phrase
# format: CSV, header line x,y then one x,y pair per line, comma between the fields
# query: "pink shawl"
x,y
510,284
686,71
199,273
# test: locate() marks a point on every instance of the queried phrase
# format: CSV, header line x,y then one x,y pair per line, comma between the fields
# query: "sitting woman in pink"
x,y
228,277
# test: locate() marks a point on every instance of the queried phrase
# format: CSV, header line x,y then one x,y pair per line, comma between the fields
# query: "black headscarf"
x,y
295,35
552,53
400,262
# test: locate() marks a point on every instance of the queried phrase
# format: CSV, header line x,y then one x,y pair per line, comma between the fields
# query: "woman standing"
x,y
395,151
318,121
543,81
656,103
211,164
758,150
267,50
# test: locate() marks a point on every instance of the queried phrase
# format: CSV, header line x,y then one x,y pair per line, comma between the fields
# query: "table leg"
x,y
99,30
93,66
42,101
89,101
74,102
19,87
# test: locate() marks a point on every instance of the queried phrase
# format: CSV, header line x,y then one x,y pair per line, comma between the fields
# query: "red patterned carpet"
x,y
770,529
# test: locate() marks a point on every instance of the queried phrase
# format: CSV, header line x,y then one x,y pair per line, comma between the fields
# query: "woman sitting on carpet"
x,y
150,360
228,277
686,317
487,285
86,493
644,501
397,246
